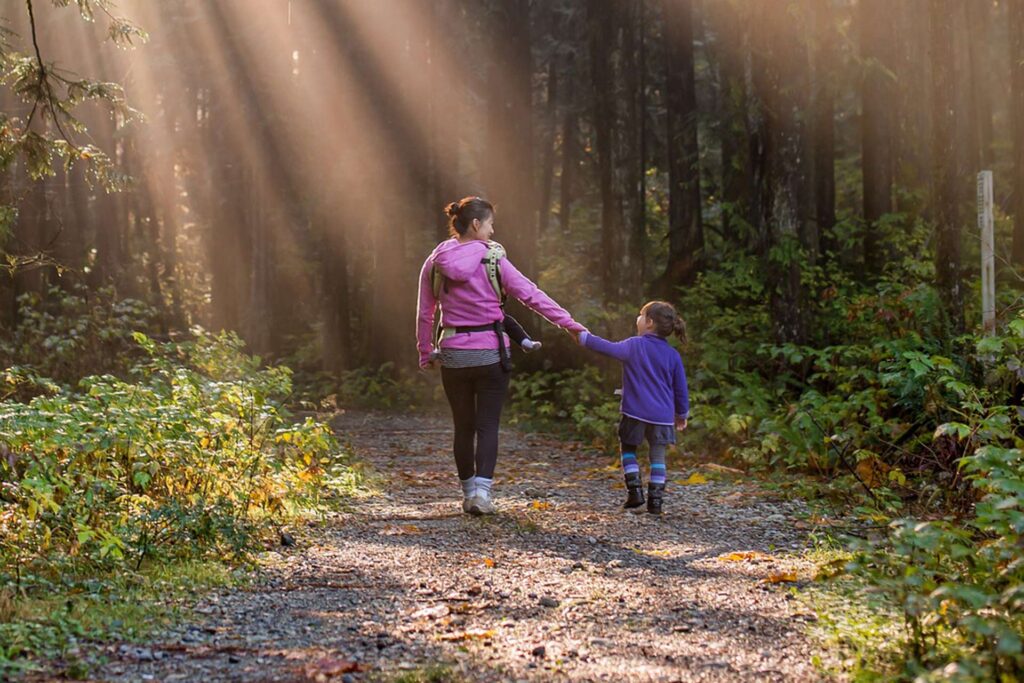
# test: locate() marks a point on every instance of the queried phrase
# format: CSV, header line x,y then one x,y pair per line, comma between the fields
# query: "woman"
x,y
473,345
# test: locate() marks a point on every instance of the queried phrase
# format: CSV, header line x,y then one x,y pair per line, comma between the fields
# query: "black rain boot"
x,y
635,489
655,495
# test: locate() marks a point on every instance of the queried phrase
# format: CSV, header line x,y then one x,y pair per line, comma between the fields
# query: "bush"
x,y
69,334
194,458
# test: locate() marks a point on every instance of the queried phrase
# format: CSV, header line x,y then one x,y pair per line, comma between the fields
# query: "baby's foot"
x,y
530,345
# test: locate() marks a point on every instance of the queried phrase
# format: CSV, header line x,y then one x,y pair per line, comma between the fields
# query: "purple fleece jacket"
x,y
653,377
469,300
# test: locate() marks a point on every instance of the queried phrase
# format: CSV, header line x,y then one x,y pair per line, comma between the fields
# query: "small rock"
x,y
615,563
348,678
287,540
234,659
548,601
591,540
539,651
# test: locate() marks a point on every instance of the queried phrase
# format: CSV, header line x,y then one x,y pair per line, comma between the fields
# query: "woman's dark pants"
x,y
476,396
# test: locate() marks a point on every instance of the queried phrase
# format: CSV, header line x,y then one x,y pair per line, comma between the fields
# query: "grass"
x,y
50,631
434,673
858,627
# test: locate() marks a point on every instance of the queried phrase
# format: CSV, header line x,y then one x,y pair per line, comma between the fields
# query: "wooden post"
x,y
988,259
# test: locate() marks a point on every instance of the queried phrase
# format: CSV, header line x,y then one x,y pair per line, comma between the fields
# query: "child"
x,y
654,397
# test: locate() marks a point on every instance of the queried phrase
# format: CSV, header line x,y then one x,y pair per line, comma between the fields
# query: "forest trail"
x,y
562,584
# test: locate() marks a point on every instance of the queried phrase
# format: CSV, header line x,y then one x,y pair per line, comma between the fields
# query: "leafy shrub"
x,y
577,402
194,458
66,335
960,589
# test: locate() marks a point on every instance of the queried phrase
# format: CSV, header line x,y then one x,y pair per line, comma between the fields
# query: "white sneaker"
x,y
482,506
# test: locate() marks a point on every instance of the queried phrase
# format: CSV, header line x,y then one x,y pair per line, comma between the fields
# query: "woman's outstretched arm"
x,y
522,288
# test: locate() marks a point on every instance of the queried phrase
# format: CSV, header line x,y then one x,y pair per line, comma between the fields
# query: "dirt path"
x,y
561,585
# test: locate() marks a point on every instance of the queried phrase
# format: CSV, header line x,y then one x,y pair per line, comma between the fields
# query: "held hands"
x,y
680,423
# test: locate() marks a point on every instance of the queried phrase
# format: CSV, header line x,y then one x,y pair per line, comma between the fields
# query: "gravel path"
x,y
562,584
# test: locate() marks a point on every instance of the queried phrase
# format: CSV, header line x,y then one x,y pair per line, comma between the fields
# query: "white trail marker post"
x,y
986,224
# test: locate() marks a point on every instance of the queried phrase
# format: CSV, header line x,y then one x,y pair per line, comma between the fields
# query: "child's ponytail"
x,y
666,320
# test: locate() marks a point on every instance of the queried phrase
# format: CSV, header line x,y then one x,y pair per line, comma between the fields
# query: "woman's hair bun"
x,y
452,209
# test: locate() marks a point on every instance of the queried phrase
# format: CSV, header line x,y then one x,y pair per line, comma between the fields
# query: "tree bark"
x,y
1016,33
685,228
601,37
824,139
877,102
507,158
947,175
778,64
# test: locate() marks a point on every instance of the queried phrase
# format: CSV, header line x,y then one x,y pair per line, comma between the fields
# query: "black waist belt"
x,y
498,327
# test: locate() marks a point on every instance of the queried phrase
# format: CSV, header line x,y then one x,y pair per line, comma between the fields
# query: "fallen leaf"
x,y
743,556
322,669
653,553
781,577
693,479
538,505
400,530
471,634
872,471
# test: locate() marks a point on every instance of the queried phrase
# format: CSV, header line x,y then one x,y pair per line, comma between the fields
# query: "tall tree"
x,y
601,34
731,49
979,19
947,175
823,119
778,63
877,102
507,158
685,228
1016,34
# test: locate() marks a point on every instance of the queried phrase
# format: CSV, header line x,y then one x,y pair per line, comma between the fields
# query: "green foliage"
x,y
195,458
577,402
49,133
69,334
960,589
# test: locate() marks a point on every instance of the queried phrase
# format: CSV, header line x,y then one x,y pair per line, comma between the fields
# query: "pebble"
x,y
539,651
548,601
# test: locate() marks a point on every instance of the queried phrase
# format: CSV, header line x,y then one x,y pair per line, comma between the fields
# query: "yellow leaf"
x,y
485,561
204,442
781,577
743,556
693,479
401,530
873,471
538,505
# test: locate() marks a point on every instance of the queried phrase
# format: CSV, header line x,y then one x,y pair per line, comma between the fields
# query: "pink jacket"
x,y
470,300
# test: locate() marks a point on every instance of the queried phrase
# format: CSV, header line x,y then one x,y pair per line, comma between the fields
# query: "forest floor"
x,y
562,584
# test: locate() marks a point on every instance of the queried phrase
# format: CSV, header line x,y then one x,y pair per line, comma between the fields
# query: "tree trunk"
x,y
734,133
877,102
570,166
547,172
601,37
824,140
507,158
978,22
1016,33
685,229
779,64
947,176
